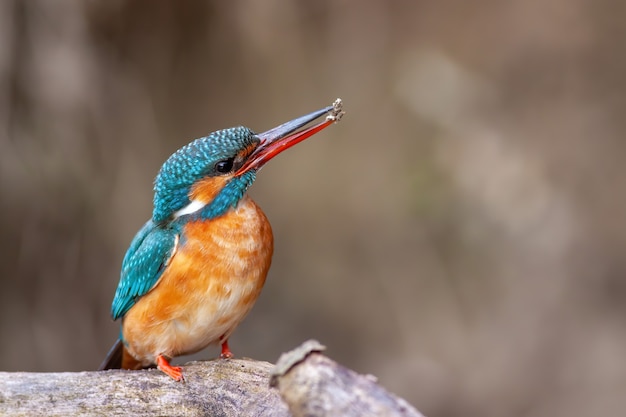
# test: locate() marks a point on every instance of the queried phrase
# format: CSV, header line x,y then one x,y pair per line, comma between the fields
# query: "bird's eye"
x,y
225,166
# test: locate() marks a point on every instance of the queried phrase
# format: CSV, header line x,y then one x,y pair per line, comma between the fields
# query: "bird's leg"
x,y
226,353
175,372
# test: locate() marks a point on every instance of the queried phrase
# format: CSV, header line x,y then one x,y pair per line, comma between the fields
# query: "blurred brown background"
x,y
460,234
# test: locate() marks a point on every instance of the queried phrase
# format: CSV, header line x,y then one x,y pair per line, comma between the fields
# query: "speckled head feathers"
x,y
193,162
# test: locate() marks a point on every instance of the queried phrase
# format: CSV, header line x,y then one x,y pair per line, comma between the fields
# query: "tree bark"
x,y
309,383
314,385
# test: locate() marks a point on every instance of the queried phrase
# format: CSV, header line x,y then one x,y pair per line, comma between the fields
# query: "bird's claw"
x,y
174,372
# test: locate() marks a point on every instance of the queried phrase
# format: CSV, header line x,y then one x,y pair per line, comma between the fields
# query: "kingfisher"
x,y
195,269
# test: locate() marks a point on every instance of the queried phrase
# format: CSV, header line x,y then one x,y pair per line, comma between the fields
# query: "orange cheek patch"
x,y
207,189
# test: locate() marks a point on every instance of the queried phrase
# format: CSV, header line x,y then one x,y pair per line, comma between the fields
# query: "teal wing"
x,y
146,258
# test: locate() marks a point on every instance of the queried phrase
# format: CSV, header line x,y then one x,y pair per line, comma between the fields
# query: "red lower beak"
x,y
283,137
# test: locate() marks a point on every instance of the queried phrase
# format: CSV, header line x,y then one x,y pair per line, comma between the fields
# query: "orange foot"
x,y
226,353
175,372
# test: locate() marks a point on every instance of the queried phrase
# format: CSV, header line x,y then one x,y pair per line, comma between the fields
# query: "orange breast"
x,y
211,283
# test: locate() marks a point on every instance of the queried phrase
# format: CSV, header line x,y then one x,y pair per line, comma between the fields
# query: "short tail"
x,y
119,358
113,359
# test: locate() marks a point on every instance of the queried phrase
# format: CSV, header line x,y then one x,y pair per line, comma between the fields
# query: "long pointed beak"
x,y
283,137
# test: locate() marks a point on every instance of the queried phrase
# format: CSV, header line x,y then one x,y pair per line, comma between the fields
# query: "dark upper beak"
x,y
283,137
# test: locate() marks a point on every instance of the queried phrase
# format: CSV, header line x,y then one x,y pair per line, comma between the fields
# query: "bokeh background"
x,y
460,234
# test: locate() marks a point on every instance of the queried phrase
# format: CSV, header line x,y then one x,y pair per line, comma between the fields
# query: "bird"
x,y
195,269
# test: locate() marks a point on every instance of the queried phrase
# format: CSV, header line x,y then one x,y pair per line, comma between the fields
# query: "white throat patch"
x,y
190,208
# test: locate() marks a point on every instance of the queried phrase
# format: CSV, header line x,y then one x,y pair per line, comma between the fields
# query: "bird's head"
x,y
211,174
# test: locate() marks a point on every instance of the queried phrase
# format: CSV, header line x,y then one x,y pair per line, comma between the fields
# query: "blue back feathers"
x,y
143,265
154,245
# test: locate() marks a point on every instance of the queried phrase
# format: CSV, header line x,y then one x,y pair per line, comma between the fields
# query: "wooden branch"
x,y
236,387
309,383
313,385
